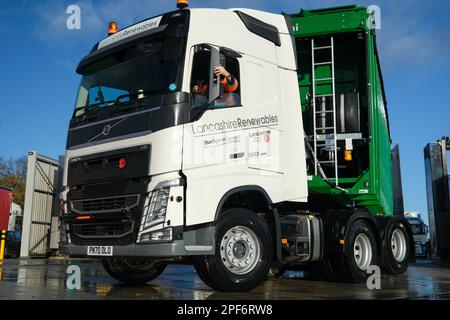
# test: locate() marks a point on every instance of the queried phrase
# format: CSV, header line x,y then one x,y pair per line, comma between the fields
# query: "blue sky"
x,y
39,55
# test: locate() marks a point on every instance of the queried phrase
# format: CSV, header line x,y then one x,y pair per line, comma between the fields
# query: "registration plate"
x,y
100,251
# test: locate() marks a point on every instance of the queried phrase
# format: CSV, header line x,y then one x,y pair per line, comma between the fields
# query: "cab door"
x,y
234,138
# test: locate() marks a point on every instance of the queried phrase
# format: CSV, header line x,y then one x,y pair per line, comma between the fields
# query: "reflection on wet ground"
x,y
46,279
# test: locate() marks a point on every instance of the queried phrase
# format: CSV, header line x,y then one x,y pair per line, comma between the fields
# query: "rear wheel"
x,y
133,270
361,252
242,256
396,248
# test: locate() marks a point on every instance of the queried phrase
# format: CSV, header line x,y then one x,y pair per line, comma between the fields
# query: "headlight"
x,y
155,211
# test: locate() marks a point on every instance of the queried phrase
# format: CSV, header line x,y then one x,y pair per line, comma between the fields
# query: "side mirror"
x,y
214,82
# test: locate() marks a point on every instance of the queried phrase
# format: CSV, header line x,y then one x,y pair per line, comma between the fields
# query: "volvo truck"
x,y
292,169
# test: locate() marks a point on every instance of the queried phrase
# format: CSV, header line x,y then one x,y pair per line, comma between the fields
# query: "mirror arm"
x,y
214,82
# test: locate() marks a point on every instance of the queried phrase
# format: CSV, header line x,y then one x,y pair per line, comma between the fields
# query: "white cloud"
x,y
95,16
413,36
52,17
409,37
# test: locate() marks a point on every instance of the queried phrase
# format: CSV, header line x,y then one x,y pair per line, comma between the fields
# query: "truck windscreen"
x,y
418,229
125,77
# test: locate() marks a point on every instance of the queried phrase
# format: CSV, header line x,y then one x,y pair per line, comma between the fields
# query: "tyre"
x,y
360,252
327,270
202,271
352,116
243,253
396,248
133,270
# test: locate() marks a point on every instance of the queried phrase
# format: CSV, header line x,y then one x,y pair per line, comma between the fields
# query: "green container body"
x,y
373,189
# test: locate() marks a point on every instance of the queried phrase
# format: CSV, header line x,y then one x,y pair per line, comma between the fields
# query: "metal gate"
x,y
41,202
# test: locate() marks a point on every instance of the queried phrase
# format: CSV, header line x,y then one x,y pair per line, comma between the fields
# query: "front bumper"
x,y
199,241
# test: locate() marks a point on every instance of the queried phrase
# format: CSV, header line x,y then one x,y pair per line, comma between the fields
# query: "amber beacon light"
x,y
181,4
112,28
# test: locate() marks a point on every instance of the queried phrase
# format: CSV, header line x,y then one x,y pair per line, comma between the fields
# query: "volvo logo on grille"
x,y
107,129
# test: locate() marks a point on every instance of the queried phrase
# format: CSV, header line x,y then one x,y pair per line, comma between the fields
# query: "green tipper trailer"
x,y
364,179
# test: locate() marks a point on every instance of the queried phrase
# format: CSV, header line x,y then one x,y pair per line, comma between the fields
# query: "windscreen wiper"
x,y
91,107
118,103
101,96
95,106
135,100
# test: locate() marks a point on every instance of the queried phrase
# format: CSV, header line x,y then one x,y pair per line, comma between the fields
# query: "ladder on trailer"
x,y
328,133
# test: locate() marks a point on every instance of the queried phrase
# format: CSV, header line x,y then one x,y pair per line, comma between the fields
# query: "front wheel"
x,y
133,270
242,256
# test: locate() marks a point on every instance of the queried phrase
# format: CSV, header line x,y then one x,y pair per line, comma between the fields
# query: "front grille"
x,y
103,230
101,205
116,210
110,188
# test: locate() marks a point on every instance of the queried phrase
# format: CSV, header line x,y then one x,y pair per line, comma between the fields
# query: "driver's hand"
x,y
221,71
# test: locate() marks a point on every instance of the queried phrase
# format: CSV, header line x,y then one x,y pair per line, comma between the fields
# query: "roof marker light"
x,y
181,4
112,28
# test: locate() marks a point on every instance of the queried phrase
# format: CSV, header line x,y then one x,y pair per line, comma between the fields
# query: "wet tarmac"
x,y
46,279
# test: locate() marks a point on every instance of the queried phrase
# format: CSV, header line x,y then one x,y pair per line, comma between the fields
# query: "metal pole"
x,y
314,107
28,208
333,90
2,245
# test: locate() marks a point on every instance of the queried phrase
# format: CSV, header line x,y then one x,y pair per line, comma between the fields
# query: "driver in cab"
x,y
228,81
